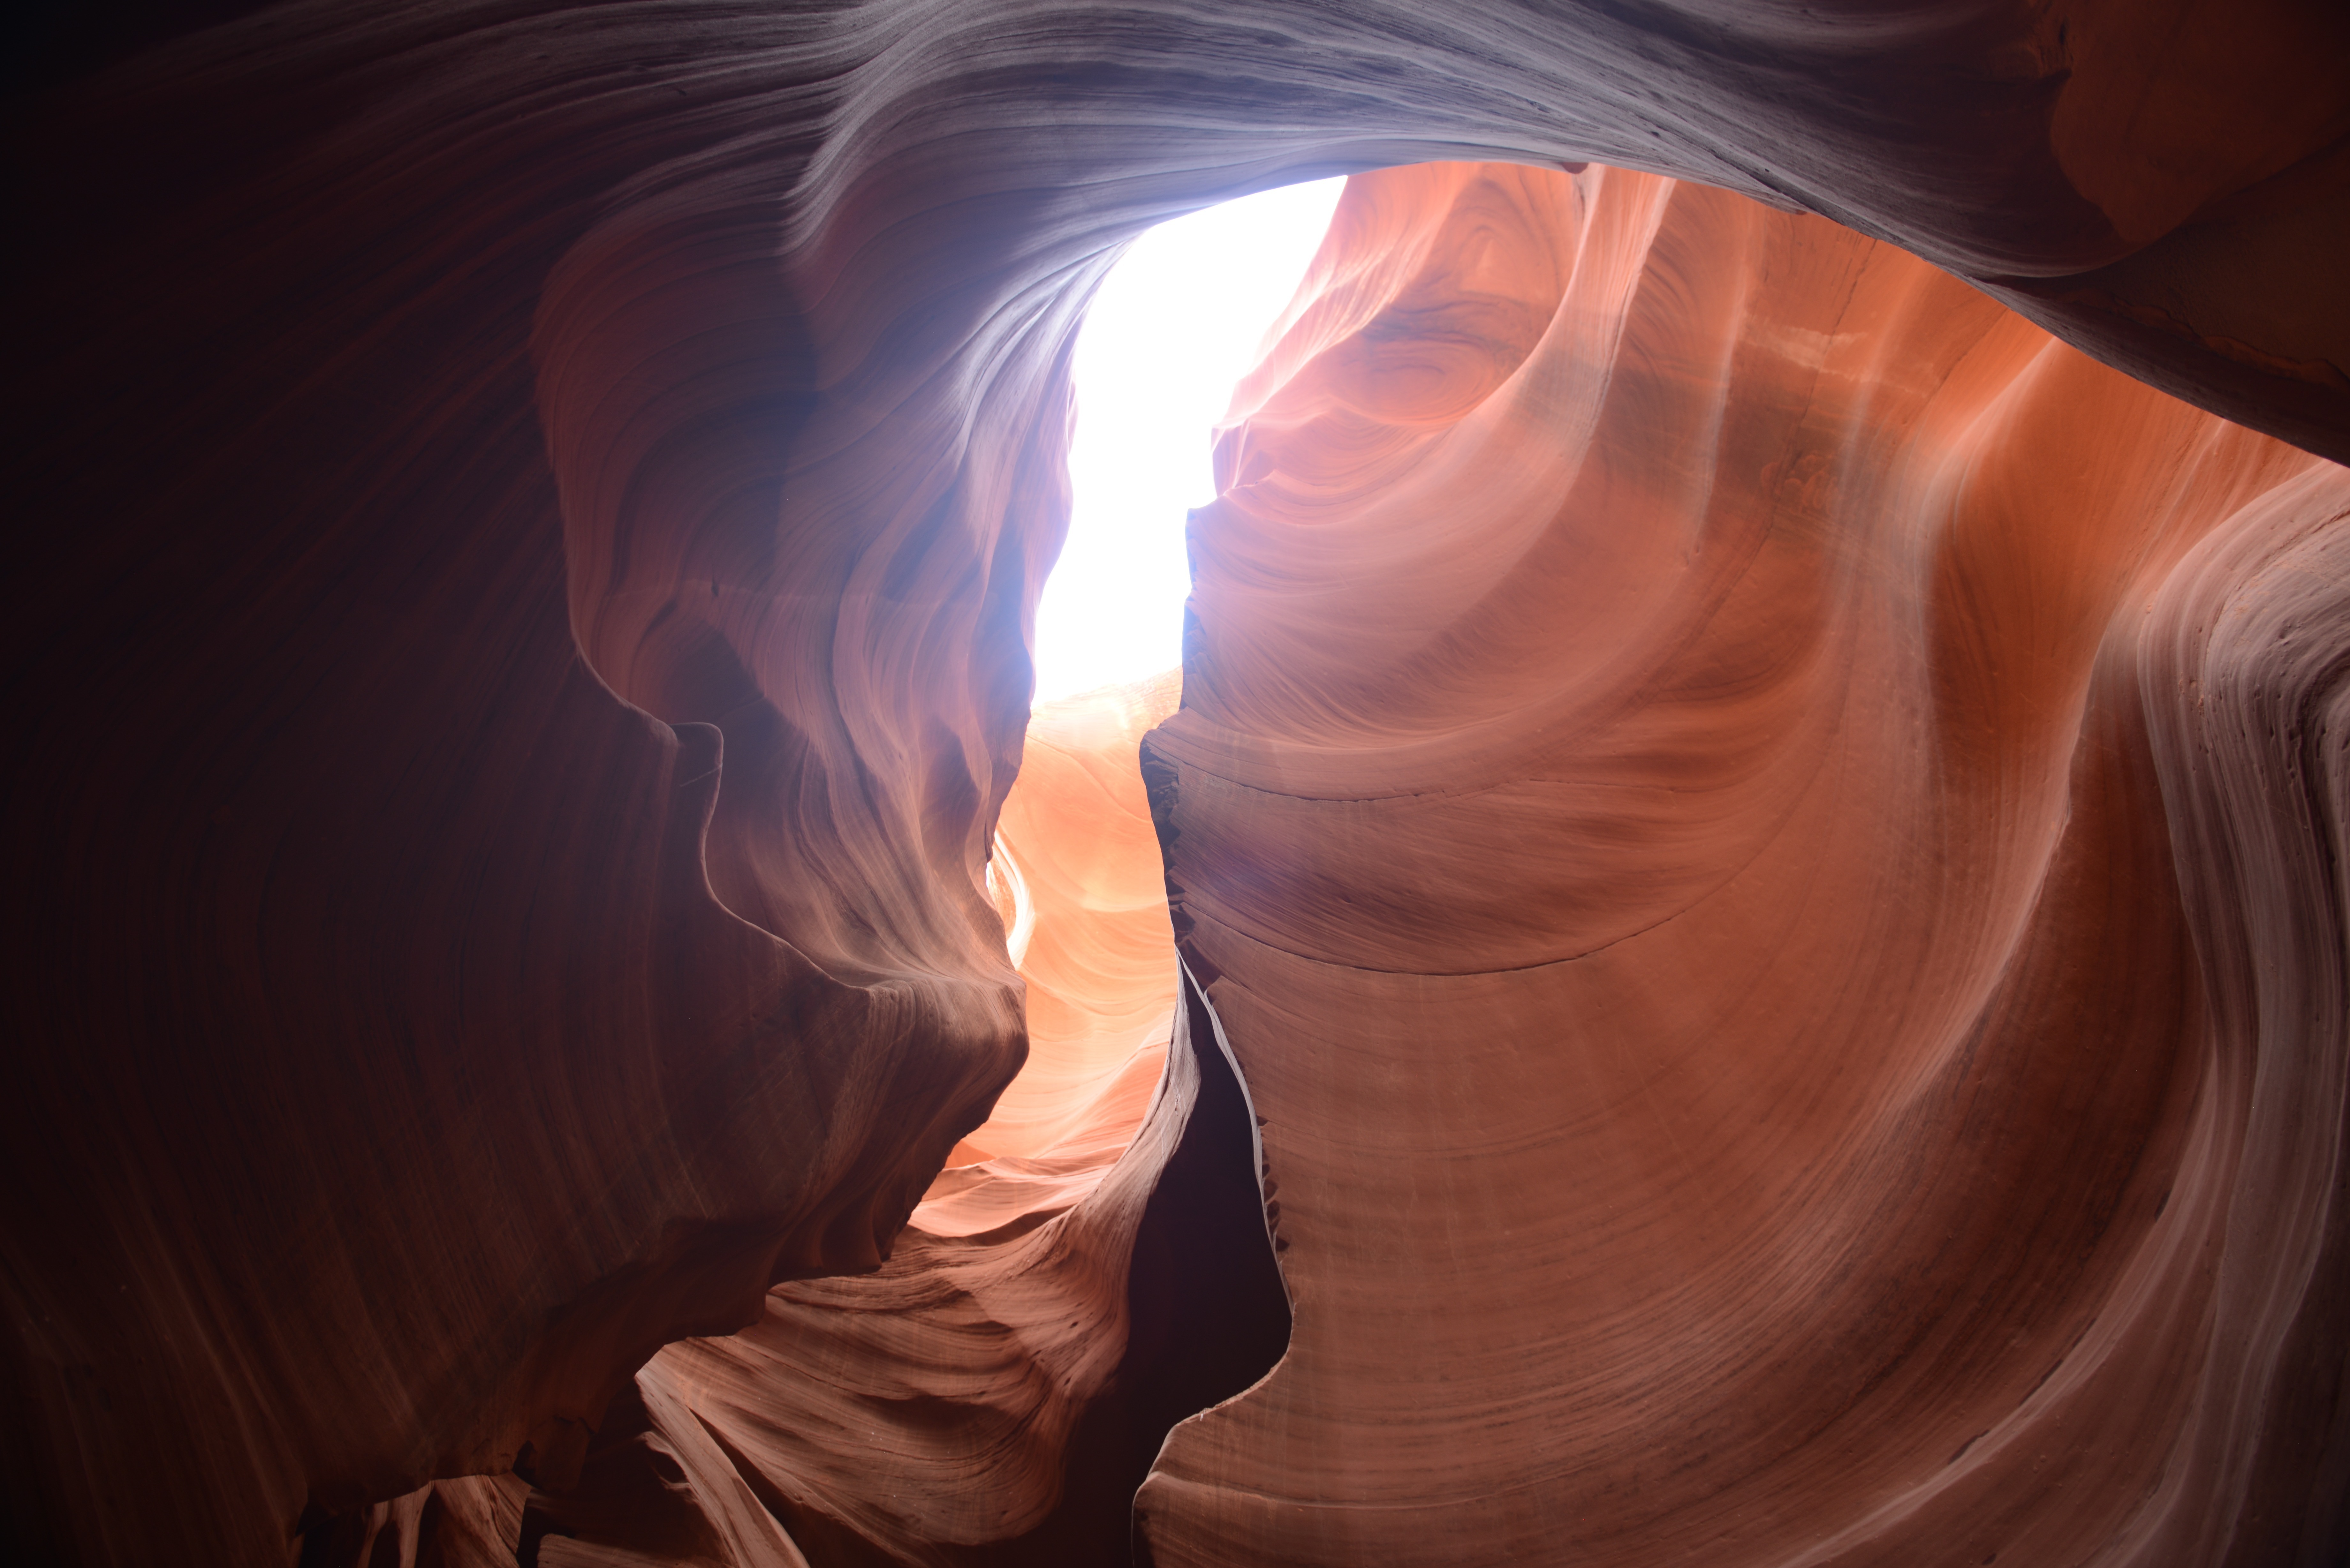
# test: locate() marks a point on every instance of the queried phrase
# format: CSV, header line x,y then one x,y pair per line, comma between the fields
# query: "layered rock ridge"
x,y
1715,799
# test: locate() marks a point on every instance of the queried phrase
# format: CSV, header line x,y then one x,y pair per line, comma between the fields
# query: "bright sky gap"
x,y
1178,321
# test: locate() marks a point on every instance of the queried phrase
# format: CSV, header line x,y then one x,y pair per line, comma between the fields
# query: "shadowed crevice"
x,y
1208,1317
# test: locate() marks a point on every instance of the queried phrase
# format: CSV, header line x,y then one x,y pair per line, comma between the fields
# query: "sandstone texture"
x,y
1754,838
1711,799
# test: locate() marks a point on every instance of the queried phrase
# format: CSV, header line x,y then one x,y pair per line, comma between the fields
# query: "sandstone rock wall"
x,y
529,513
1697,802
1693,803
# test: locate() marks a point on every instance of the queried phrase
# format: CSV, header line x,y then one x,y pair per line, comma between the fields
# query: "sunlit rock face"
x,y
1081,892
529,515
1765,835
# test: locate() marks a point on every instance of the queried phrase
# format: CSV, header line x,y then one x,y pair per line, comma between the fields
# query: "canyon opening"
x,y
1174,327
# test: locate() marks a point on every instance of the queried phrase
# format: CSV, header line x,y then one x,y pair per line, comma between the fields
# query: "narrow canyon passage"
x,y
1118,1285
1753,814
1667,802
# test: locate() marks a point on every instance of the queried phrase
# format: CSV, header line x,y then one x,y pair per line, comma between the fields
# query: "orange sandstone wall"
x,y
1756,1043
1713,798
526,516
1083,898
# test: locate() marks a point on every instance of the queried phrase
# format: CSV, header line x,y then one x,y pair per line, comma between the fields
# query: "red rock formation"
x,y
529,512
930,1404
1080,1295
1698,800
1082,895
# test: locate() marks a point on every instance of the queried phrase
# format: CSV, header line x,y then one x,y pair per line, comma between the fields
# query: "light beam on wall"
x,y
1175,326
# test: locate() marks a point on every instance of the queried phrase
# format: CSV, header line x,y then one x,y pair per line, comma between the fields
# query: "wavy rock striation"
x,y
996,1391
529,512
1715,797
1082,895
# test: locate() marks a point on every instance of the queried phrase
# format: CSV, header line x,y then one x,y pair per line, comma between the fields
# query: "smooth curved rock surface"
x,y
1715,797
1083,899
529,513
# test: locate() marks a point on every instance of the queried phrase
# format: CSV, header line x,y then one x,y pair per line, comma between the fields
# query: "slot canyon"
x,y
1731,946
